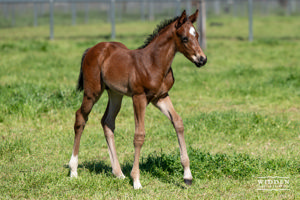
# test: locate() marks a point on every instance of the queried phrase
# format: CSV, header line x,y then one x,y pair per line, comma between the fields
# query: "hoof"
x,y
121,176
137,185
188,182
73,174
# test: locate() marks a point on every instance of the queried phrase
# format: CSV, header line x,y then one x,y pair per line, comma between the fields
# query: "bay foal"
x,y
145,74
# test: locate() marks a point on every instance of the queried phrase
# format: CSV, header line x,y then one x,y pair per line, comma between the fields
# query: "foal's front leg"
x,y
166,107
139,105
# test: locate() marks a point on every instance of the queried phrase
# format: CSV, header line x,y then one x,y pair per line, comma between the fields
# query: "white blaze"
x,y
192,31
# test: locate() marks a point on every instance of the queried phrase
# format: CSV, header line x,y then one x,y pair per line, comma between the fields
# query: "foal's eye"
x,y
185,39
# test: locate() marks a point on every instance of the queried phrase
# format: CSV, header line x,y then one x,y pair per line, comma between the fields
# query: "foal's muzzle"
x,y
201,61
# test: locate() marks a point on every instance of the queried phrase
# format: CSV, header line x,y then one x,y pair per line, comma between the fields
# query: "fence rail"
x,y
85,1
36,12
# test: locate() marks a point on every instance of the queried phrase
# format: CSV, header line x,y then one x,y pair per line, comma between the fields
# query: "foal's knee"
x,y
139,138
80,120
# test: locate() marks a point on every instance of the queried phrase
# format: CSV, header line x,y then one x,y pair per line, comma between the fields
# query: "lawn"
x,y
241,114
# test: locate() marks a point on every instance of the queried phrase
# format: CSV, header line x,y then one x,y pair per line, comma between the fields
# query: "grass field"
x,y
241,114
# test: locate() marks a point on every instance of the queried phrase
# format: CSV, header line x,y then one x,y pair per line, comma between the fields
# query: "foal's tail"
x,y
80,78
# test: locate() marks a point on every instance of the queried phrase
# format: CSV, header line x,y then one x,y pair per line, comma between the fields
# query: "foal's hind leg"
x,y
108,124
90,97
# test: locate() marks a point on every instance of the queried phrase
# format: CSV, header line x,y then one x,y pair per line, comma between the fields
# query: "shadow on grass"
x,y
160,166
167,166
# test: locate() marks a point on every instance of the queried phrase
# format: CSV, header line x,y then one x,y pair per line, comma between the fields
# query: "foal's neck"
x,y
162,49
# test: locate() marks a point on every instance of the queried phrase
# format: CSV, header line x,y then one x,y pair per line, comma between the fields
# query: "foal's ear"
x,y
194,16
181,19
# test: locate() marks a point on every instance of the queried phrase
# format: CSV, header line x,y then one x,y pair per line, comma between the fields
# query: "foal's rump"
x,y
109,64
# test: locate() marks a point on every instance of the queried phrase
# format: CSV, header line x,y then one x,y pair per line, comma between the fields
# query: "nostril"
x,y
203,59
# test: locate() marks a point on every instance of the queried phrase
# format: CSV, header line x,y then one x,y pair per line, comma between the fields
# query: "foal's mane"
x,y
156,31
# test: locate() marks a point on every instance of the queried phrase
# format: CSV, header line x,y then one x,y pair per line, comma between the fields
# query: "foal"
x,y
145,74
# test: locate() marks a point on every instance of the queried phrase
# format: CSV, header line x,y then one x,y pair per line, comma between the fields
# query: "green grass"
x,y
241,114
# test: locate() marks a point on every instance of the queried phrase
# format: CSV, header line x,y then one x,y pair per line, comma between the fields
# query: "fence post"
x,y
250,16
112,19
202,24
51,7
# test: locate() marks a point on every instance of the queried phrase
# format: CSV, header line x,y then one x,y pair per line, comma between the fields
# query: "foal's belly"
x,y
118,87
116,78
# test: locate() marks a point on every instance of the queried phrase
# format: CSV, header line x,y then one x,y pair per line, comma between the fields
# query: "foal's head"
x,y
186,39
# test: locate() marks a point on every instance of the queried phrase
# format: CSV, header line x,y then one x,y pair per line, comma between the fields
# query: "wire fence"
x,y
72,12
18,13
